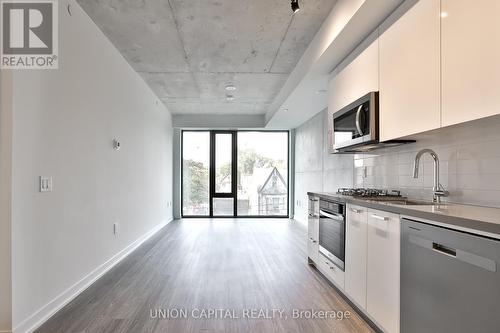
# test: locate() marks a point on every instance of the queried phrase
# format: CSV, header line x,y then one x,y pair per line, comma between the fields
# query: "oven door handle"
x,y
337,217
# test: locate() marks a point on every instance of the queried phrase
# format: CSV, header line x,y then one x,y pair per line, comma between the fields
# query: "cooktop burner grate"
x,y
368,192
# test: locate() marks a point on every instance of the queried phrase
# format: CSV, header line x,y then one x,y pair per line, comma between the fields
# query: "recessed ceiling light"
x,y
230,87
444,14
229,98
295,6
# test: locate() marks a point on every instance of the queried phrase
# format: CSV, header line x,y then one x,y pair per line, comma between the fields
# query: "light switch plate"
x,y
45,184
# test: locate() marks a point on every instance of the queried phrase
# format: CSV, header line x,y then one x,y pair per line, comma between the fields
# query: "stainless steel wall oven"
x,y
332,231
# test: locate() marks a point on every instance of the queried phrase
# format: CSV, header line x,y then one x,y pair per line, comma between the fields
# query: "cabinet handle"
x,y
331,267
313,200
444,250
381,218
357,211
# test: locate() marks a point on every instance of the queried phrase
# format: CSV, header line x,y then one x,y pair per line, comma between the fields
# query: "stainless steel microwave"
x,y
355,128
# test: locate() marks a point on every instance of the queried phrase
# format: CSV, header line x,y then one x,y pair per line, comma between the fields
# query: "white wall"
x,y
5,199
315,169
64,123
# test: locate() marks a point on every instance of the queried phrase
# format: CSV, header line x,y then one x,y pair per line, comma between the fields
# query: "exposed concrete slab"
x,y
231,35
189,50
222,121
188,92
256,87
212,106
143,31
342,32
172,85
301,32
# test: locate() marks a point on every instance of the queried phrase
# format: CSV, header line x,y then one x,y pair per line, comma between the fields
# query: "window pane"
x,y
195,173
223,165
223,206
263,173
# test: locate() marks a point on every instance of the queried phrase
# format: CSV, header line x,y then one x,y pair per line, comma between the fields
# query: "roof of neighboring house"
x,y
274,184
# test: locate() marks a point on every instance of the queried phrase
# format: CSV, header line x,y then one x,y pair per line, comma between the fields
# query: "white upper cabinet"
x,y
470,59
410,72
356,79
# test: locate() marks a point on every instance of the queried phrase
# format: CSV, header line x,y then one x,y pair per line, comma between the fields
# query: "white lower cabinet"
x,y
313,229
312,239
383,262
331,271
356,254
372,263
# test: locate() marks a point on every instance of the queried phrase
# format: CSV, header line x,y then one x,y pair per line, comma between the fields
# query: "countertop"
x,y
483,221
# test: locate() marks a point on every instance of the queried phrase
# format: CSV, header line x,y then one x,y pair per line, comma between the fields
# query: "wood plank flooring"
x,y
234,264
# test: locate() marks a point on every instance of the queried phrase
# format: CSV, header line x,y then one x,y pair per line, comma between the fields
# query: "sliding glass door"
x,y
230,173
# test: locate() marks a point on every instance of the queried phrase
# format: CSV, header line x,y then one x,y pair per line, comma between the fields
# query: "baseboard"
x,y
43,314
346,298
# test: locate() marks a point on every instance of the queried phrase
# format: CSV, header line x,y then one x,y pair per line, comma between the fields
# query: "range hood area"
x,y
368,147
355,128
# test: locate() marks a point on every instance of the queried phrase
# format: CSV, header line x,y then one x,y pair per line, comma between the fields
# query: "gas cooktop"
x,y
369,193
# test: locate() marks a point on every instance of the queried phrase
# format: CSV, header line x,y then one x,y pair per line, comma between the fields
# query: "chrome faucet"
x,y
438,189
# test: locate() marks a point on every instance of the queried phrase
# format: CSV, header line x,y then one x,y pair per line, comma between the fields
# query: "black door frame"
x,y
234,174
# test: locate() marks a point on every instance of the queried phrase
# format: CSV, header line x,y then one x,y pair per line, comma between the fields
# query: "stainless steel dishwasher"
x,y
449,280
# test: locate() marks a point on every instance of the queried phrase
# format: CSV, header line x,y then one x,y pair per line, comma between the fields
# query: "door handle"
x,y
331,216
357,211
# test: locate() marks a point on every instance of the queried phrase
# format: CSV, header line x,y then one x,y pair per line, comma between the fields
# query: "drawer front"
x,y
313,227
331,271
312,250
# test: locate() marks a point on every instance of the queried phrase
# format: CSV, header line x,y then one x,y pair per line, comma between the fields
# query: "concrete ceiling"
x,y
347,29
189,50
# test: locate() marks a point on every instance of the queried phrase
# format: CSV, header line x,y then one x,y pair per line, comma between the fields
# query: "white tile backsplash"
x,y
469,164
